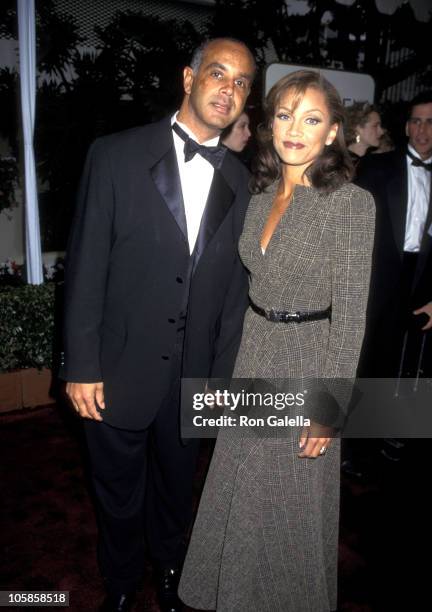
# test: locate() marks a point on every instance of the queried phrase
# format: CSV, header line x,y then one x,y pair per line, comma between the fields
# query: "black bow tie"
x,y
416,161
214,155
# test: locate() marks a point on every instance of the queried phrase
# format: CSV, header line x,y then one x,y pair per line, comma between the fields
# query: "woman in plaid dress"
x,y
266,533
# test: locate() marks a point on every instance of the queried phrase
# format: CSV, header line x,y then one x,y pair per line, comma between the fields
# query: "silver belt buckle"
x,y
273,316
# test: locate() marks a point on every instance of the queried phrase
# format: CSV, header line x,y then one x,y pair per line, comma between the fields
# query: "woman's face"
x,y
301,132
239,135
371,132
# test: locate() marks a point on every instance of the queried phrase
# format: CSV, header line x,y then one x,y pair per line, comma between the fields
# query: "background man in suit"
x,y
397,344
400,299
155,291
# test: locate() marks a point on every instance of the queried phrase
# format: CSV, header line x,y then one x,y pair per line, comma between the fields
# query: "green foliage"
x,y
57,40
130,79
8,179
8,19
9,107
143,57
358,38
295,38
134,75
26,326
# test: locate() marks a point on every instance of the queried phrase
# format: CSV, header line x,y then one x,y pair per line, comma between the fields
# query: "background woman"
x,y
237,135
266,533
363,129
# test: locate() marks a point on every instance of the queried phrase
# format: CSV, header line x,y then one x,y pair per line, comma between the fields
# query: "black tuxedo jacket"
x,y
385,176
128,270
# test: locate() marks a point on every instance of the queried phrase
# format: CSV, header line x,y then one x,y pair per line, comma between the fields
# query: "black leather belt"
x,y
282,316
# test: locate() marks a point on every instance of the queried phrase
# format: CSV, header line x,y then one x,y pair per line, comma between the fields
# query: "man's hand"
x,y
315,440
426,309
216,403
86,398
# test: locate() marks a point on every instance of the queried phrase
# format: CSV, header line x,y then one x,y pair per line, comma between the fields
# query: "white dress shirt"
x,y
195,177
419,184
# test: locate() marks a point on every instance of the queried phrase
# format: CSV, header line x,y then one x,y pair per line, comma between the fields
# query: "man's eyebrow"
x,y
216,65
244,75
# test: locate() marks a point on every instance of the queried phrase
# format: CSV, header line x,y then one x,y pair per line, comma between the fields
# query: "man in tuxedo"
x,y
398,345
155,290
400,298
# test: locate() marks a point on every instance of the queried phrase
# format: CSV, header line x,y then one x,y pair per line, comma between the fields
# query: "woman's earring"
x,y
357,138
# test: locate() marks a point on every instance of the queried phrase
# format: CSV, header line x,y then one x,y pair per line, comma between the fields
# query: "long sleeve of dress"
x,y
352,225
352,222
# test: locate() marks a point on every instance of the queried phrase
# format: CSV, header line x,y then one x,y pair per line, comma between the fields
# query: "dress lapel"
x,y
219,201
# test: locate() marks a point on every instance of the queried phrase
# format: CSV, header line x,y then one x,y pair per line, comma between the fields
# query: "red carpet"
x,y
48,530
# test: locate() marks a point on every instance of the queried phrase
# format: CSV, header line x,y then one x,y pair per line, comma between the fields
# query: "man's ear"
x,y
188,77
406,129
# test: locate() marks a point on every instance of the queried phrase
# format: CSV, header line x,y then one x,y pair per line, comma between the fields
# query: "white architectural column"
x,y
27,54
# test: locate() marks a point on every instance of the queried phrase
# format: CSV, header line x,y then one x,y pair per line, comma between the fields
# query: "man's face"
x,y
419,130
216,94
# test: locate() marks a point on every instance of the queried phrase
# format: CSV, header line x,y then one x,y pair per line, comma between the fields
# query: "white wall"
x,y
12,235
11,221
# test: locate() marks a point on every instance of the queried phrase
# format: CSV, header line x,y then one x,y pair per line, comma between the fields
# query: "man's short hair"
x,y
198,54
424,97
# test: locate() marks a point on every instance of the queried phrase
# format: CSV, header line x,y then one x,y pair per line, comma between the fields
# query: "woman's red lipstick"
x,y
293,145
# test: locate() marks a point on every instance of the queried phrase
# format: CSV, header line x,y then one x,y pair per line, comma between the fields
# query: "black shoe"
x,y
392,450
167,585
122,602
351,468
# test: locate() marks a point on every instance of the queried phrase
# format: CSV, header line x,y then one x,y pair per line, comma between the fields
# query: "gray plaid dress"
x,y
265,537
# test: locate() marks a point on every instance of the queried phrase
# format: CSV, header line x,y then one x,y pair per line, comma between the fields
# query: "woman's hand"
x,y
315,440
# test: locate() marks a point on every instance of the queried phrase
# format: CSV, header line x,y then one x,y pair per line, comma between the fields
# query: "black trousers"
x,y
143,485
394,344
394,347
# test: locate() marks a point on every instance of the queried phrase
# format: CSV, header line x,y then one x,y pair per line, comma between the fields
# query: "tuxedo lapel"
x,y
165,174
219,201
397,198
